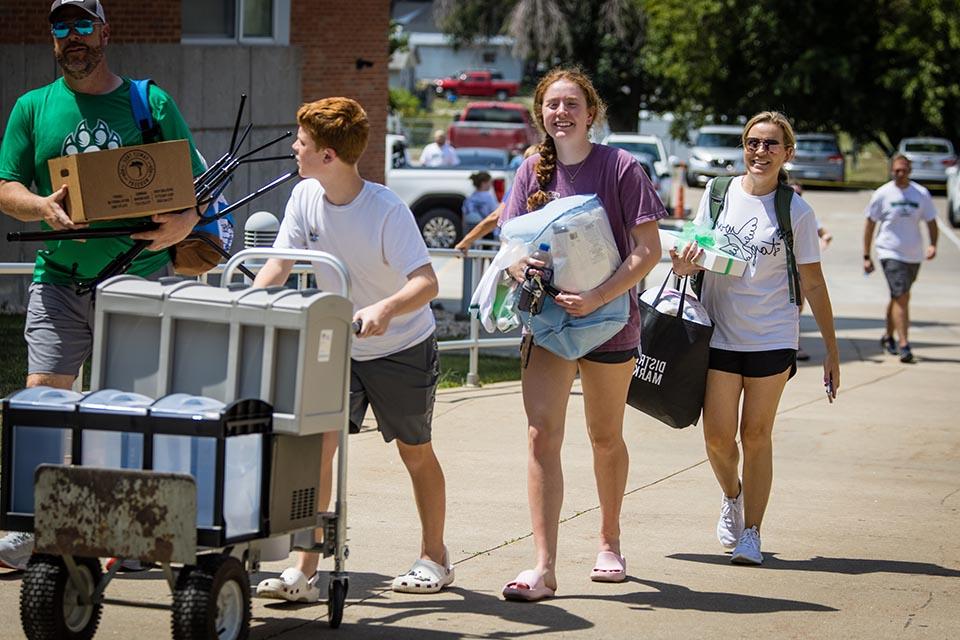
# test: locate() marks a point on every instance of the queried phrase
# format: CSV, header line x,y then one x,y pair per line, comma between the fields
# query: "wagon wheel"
x,y
336,599
212,601
52,606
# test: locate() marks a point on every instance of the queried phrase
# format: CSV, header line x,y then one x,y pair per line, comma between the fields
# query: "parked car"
x,y
499,125
817,157
953,195
484,84
435,195
651,146
930,157
716,151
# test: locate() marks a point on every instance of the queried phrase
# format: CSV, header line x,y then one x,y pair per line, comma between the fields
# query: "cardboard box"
x,y
128,182
711,259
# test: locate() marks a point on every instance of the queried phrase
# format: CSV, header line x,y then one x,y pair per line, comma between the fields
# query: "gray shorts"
x,y
59,327
900,275
400,388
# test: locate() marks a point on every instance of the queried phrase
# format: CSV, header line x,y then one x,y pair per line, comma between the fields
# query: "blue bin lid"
x,y
184,405
44,398
115,401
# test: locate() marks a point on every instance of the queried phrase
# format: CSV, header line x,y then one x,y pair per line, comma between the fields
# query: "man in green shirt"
x,y
88,109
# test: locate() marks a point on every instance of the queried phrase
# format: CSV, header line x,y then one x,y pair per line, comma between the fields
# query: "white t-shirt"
x,y
754,312
899,213
433,155
378,241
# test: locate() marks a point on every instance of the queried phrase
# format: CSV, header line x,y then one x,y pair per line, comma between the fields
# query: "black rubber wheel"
x,y
212,601
50,606
440,228
691,179
336,600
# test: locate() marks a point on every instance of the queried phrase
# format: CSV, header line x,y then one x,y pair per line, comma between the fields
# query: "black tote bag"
x,y
670,375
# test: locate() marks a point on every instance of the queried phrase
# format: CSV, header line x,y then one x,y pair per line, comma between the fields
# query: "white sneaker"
x,y
15,550
730,525
748,548
292,586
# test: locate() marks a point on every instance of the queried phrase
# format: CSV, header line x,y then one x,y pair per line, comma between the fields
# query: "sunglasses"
x,y
83,27
769,144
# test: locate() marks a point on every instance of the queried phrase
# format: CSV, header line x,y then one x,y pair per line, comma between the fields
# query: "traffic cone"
x,y
678,208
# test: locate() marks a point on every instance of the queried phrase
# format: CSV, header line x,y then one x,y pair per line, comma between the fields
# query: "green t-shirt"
x,y
55,121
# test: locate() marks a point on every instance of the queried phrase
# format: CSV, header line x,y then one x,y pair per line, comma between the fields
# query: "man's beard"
x,y
80,64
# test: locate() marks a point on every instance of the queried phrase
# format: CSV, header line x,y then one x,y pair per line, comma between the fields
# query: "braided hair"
x,y
546,167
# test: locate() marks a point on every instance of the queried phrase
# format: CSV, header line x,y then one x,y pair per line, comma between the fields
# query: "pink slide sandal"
x,y
610,567
528,586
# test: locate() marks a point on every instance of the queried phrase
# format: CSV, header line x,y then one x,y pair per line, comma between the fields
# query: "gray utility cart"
x,y
199,450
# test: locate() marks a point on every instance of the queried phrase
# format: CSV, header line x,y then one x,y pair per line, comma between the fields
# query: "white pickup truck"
x,y
435,195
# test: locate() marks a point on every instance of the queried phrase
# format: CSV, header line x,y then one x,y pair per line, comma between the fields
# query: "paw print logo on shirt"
x,y
84,140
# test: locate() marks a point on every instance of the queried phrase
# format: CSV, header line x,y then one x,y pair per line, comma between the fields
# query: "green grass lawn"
x,y
13,362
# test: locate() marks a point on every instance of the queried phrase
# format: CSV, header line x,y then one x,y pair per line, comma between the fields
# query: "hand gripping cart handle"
x,y
338,532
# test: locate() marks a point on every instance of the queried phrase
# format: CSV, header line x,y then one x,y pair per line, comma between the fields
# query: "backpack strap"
x,y
140,104
782,202
718,196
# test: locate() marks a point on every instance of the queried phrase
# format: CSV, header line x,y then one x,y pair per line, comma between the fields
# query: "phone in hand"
x,y
831,393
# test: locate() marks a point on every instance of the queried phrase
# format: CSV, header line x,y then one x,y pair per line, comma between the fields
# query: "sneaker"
x,y
888,345
730,525
15,550
906,355
292,586
748,548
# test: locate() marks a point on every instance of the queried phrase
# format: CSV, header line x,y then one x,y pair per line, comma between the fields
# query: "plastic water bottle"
x,y
543,254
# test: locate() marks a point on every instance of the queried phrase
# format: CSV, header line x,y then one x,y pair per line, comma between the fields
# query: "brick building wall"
x,y
333,36
131,21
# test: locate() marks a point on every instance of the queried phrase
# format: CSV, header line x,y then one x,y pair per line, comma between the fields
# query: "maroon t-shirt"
x,y
627,195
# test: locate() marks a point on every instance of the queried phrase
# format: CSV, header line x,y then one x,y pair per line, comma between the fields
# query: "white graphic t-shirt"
x,y
754,312
899,213
377,239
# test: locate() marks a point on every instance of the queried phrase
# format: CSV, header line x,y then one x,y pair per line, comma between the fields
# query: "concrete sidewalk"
x,y
860,538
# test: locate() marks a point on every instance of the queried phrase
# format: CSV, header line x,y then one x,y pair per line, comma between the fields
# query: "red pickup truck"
x,y
476,83
501,125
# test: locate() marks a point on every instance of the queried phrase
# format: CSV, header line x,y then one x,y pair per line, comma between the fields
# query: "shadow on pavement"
x,y
845,566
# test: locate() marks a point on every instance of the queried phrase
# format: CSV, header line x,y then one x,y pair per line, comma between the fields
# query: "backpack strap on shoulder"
x,y
782,202
718,196
142,114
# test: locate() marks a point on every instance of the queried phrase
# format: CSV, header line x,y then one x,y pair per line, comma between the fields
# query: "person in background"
x,y
756,328
566,107
899,208
439,153
482,202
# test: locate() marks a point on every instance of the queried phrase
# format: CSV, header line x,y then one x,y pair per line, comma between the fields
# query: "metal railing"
x,y
474,264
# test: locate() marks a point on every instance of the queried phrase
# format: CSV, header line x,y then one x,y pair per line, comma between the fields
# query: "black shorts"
x,y
754,364
900,275
611,357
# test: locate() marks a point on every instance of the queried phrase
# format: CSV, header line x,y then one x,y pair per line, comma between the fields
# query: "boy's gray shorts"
x,y
400,388
900,275
59,327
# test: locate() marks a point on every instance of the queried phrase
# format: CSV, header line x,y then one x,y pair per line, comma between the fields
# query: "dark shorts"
x,y
754,364
900,275
611,357
400,388
59,327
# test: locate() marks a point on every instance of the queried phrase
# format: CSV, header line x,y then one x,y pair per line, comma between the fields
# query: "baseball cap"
x,y
93,7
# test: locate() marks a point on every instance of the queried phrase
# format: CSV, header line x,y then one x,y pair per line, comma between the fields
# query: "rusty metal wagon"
x,y
202,481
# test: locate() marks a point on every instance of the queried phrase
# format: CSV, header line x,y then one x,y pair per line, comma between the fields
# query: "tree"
x,y
605,38
878,69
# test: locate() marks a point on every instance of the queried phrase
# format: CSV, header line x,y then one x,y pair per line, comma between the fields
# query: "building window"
x,y
232,21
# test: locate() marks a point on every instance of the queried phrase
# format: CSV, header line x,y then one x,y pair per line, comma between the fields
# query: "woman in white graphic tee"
x,y
756,336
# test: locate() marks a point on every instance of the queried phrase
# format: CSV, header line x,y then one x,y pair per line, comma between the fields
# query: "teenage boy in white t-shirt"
x,y
898,208
394,364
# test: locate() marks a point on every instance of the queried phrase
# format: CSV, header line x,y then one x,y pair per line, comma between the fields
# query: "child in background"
x,y
481,202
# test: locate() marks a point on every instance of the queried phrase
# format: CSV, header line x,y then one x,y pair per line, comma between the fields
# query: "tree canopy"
x,y
878,70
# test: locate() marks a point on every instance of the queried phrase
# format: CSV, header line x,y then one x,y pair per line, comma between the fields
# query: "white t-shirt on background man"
x,y
753,312
377,239
898,213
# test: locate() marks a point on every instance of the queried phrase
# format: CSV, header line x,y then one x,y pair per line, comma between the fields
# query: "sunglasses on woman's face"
x,y
83,27
769,144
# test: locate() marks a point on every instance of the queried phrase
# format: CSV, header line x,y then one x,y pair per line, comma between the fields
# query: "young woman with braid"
x,y
566,105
